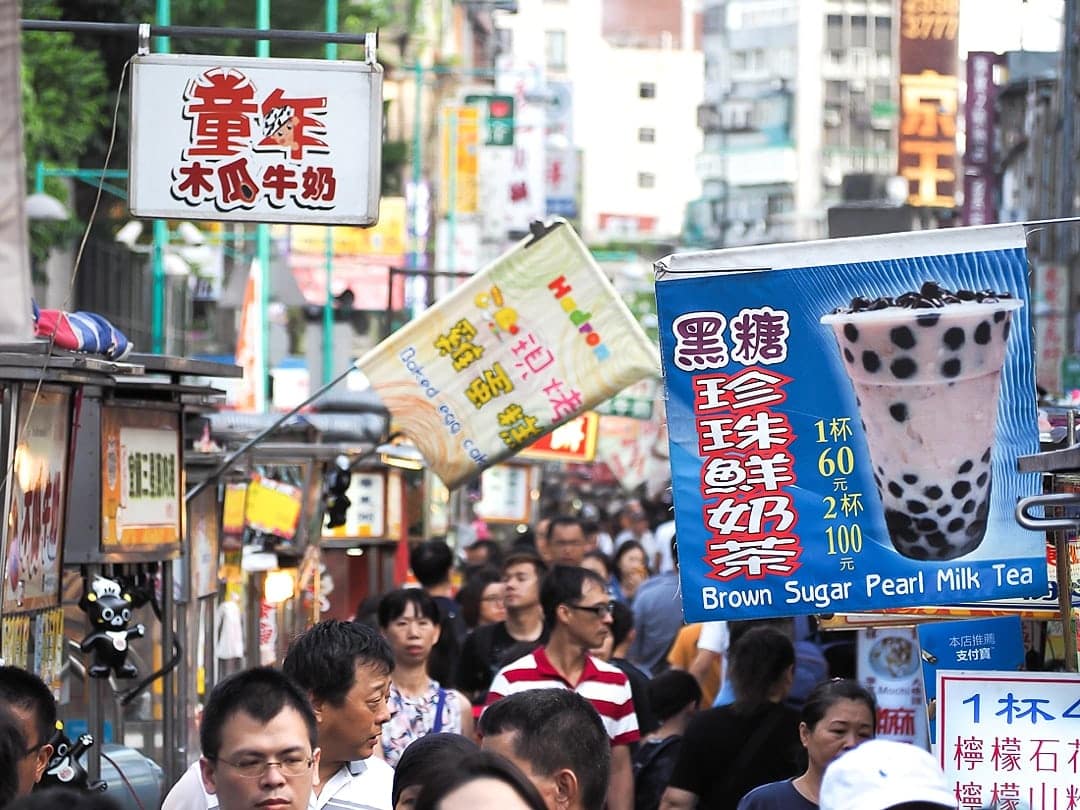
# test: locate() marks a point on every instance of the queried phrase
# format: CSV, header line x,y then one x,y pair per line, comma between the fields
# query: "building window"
x,y
859,35
834,32
646,180
555,49
647,90
835,92
646,135
883,34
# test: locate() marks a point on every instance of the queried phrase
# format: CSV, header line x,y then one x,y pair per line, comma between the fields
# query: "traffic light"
x,y
335,485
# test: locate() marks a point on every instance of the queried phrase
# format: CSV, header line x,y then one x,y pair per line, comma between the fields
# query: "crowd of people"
x,y
558,676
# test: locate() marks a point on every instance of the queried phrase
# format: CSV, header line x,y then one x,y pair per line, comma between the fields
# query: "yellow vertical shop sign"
x,y
928,100
458,159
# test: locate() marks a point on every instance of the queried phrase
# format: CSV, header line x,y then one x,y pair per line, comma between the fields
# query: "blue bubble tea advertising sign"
x,y
844,419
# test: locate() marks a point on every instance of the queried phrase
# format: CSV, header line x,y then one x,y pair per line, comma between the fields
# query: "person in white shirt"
x,y
344,667
258,743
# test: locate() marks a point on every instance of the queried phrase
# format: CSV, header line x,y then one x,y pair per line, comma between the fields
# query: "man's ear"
x,y
206,769
317,705
316,755
566,787
44,754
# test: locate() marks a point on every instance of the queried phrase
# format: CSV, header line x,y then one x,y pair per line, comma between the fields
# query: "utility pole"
x,y
1065,237
328,305
262,240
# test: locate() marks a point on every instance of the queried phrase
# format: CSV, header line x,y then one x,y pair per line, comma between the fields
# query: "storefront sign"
x,y
635,450
204,537
525,345
572,441
506,494
458,159
928,100
366,515
15,644
887,664
635,401
38,479
838,441
140,478
273,507
49,658
1008,739
232,520
260,140
975,644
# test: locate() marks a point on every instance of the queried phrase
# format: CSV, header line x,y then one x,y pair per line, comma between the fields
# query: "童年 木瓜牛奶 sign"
x,y
260,140
844,419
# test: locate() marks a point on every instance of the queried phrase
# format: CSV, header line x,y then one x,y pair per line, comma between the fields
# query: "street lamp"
x,y
46,208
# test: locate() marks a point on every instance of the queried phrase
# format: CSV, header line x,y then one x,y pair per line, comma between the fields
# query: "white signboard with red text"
x,y
1010,739
263,140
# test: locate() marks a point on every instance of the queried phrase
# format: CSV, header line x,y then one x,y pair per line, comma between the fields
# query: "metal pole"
x,y
262,233
193,31
232,457
328,305
168,680
1063,242
160,229
451,196
418,75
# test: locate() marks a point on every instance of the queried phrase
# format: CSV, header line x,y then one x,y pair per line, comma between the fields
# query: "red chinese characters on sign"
x,y
745,472
289,125
221,164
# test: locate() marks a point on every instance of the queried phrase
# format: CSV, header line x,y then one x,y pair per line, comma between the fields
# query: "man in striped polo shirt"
x,y
577,609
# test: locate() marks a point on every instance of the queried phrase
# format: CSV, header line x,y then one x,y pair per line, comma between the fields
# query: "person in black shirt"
x,y
673,698
730,750
431,562
614,652
489,647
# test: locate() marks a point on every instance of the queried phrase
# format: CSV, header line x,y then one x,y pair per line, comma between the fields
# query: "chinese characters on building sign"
x,y
928,100
979,107
270,140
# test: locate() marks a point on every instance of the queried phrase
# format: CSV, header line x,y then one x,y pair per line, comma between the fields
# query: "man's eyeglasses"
x,y
599,611
34,749
254,768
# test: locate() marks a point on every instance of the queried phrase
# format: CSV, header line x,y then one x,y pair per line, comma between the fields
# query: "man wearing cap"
x,y
885,775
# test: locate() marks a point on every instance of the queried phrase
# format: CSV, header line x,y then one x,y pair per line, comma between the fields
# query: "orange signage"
x,y
573,441
928,100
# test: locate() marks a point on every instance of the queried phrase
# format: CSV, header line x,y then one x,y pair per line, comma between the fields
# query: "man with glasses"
x,y
577,609
344,669
33,705
258,743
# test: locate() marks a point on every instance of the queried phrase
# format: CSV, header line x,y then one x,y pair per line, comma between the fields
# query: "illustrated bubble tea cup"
x,y
926,369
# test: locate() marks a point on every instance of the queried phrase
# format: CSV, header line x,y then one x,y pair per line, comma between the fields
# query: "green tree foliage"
x,y
64,106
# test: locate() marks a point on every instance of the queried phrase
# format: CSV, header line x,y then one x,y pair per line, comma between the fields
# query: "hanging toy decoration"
x,y
108,607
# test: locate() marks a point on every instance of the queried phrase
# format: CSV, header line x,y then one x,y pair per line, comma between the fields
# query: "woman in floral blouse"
x,y
409,620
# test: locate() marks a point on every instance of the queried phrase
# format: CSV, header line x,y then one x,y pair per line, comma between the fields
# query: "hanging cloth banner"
x,y
528,343
844,421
